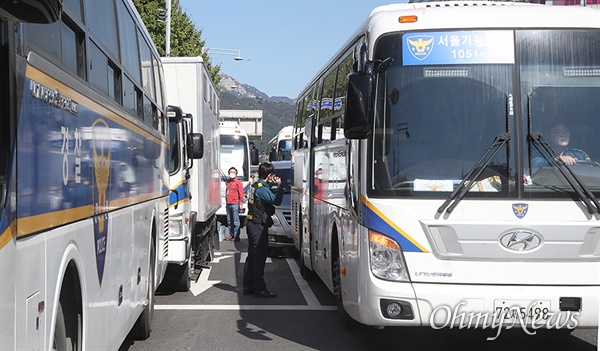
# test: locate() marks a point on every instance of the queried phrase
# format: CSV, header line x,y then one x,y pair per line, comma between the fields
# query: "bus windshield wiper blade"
x,y
582,191
468,181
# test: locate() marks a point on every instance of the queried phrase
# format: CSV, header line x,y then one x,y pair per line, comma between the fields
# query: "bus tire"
x,y
60,331
305,272
143,325
347,322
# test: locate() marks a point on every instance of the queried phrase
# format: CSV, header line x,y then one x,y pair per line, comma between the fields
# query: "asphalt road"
x,y
214,315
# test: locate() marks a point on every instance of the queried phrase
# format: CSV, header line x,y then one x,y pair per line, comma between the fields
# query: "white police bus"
x,y
83,175
429,206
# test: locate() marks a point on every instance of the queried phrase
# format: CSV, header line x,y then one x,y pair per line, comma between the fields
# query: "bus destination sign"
x,y
458,47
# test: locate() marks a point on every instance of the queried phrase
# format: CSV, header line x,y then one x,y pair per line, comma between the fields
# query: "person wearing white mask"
x,y
318,189
234,198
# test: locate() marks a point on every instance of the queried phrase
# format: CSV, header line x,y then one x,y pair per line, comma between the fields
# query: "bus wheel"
x,y
143,325
60,331
347,322
305,272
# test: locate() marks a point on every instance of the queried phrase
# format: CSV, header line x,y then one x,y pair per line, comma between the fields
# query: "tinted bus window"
x,y
129,46
146,60
102,22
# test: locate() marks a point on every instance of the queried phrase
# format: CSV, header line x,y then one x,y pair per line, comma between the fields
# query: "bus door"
x,y
309,190
8,121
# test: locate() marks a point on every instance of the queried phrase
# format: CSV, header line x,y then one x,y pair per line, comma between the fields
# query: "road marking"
x,y
244,255
309,295
203,284
218,259
243,308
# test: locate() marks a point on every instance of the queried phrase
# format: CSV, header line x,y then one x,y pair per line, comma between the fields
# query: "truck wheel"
x,y
183,282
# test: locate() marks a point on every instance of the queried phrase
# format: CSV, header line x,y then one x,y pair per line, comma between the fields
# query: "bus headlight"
x,y
275,220
175,228
387,261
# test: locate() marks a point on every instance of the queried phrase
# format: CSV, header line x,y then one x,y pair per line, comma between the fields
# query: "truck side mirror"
x,y
195,146
272,155
358,112
254,157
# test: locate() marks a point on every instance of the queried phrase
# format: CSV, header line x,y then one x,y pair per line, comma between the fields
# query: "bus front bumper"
x,y
478,306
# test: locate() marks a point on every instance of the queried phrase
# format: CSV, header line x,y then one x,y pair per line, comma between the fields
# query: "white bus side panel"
x,y
7,295
127,251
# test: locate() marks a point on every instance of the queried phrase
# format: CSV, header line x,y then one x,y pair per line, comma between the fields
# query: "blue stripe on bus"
x,y
179,194
374,219
65,143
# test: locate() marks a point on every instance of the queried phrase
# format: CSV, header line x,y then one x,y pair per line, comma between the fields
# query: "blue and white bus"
x,y
83,175
421,199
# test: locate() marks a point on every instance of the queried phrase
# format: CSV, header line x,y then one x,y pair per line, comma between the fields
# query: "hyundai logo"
x,y
520,240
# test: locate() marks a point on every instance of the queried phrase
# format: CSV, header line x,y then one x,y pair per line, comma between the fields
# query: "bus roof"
x,y
453,15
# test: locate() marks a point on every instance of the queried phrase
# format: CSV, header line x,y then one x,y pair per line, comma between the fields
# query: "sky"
x,y
284,43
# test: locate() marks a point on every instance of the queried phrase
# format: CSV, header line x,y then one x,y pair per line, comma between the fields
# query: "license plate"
x,y
525,310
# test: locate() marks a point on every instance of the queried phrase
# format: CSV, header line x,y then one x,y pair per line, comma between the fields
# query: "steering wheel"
x,y
587,163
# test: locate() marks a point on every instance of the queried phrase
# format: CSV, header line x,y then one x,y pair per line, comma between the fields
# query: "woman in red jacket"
x,y
234,199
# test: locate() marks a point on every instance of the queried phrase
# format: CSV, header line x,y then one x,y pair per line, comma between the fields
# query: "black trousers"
x,y
258,248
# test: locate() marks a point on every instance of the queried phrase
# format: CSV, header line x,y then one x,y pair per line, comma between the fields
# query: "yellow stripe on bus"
x,y
391,223
44,79
7,236
180,202
176,185
33,224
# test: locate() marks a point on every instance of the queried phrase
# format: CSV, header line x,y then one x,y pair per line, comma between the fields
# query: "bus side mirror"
x,y
32,11
195,146
254,156
358,112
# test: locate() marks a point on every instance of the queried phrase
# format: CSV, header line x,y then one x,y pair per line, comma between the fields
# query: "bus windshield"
x,y
284,149
434,122
560,90
234,153
438,110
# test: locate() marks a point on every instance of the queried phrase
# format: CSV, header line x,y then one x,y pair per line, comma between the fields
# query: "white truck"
x,y
235,151
194,178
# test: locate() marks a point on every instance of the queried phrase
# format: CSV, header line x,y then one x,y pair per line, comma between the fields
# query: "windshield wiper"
x,y
582,191
468,181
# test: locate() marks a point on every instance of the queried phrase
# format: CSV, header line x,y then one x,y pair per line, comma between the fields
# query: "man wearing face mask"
x,y
234,198
318,189
261,206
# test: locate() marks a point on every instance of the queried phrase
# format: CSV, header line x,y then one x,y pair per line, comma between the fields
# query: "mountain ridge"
x,y
240,90
278,111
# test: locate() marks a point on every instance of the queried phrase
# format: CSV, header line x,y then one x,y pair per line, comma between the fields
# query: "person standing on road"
x,y
234,199
261,202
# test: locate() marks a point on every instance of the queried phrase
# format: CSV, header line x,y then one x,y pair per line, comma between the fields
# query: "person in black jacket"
x,y
261,206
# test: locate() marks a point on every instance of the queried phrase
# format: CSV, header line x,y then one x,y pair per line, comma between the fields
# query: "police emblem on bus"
x,y
420,46
520,210
101,150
